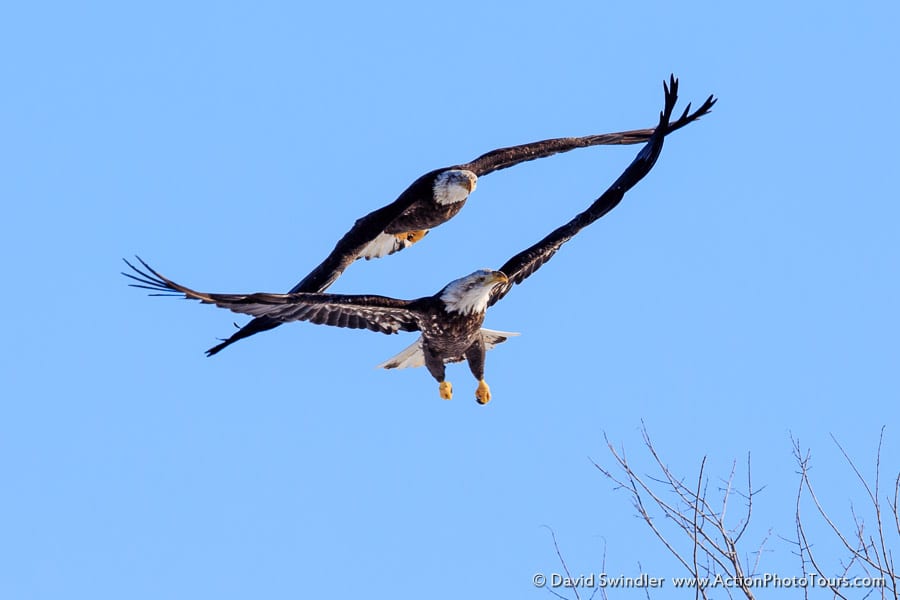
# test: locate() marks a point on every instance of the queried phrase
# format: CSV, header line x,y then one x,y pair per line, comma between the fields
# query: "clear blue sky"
x,y
746,289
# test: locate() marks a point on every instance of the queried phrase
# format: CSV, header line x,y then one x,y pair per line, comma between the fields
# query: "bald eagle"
x,y
433,199
450,321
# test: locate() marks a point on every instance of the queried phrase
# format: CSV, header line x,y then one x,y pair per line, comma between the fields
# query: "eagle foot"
x,y
446,390
407,239
483,393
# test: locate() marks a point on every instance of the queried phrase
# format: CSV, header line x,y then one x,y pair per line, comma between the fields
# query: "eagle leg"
x,y
435,366
475,358
483,393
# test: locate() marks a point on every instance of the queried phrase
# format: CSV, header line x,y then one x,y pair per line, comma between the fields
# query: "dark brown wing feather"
x,y
503,158
523,264
376,313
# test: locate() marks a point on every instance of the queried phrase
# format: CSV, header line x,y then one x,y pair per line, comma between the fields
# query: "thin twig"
x,y
565,567
699,484
802,540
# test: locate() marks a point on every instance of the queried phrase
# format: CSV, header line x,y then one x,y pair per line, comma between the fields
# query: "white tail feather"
x,y
382,245
412,356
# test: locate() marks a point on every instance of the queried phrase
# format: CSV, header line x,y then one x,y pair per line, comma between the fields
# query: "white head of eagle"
x,y
454,186
470,294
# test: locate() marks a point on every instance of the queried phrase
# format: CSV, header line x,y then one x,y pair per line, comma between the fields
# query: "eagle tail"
x,y
412,356
388,243
382,245
492,337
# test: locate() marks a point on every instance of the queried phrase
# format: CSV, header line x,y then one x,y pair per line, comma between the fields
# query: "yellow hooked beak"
x,y
472,180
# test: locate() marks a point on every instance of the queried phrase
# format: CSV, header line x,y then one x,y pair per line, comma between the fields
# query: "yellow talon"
x,y
410,237
483,393
446,390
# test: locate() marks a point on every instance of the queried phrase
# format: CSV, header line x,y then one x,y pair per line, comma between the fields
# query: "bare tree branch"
x,y
713,544
869,553
711,549
565,567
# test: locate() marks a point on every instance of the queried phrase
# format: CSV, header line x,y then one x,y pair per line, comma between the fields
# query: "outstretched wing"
x,y
369,227
377,313
363,232
345,252
503,158
523,264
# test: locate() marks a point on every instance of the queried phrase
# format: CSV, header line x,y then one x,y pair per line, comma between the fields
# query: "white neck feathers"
x,y
470,294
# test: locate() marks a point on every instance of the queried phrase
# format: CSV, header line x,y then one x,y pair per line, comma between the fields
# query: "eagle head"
x,y
470,294
454,185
